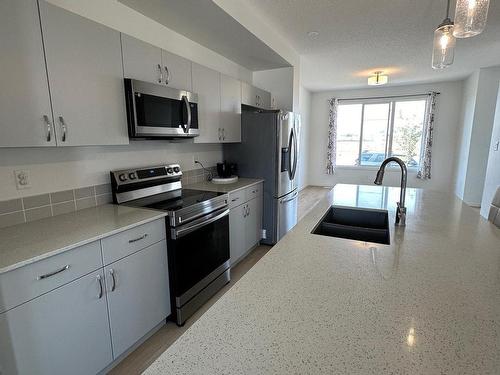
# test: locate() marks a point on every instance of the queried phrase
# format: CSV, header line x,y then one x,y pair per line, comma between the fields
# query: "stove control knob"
x,y
122,177
170,170
132,176
177,169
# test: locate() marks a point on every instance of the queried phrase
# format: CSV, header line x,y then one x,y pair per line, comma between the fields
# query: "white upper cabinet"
x,y
141,60
230,109
25,113
251,95
206,83
86,79
177,71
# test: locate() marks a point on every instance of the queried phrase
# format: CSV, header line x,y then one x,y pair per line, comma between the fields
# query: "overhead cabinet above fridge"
x,y
255,97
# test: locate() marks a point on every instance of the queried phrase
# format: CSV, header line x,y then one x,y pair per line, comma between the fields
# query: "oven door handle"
x,y
178,233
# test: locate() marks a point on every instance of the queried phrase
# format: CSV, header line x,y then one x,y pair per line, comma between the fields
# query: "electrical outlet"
x,y
497,145
264,234
23,180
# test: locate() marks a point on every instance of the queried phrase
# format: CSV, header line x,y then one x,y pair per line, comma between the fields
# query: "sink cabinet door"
x,y
140,299
65,331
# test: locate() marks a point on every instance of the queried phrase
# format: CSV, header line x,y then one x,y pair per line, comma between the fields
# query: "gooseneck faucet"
x,y
401,210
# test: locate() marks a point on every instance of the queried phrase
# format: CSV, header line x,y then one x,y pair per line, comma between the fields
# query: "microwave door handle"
x,y
188,111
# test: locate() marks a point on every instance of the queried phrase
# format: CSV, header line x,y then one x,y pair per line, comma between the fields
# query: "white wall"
x,y
279,82
305,113
447,125
476,134
492,180
467,118
55,169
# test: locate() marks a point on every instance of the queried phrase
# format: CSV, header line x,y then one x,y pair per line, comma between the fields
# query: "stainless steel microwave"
x,y
158,111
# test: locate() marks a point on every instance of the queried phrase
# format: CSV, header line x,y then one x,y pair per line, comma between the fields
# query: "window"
x,y
372,130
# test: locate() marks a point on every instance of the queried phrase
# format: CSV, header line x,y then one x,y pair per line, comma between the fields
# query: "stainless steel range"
x,y
197,232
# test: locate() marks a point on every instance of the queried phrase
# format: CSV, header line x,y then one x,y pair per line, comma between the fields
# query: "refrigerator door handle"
x,y
294,168
289,199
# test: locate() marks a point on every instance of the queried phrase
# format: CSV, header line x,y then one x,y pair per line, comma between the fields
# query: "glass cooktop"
x,y
182,199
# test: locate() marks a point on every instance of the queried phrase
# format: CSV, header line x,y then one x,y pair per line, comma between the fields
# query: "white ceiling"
x,y
358,37
207,24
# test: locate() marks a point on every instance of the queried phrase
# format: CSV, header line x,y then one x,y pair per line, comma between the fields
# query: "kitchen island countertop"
x,y
428,303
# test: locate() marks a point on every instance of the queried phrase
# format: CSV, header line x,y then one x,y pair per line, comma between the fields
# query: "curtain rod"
x,y
388,97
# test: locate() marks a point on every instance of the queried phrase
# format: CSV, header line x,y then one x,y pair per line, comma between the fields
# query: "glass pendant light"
x,y
444,43
470,17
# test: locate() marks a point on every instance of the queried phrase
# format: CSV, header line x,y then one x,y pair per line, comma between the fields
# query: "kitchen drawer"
x,y
236,198
253,191
125,243
25,283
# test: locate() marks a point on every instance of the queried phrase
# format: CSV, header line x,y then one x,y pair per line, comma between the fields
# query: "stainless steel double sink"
x,y
368,225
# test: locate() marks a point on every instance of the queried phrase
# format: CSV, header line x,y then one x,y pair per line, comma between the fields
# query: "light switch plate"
x,y
23,180
496,146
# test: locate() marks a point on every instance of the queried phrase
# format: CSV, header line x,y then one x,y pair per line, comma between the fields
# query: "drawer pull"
x,y
113,285
47,275
138,238
98,277
235,199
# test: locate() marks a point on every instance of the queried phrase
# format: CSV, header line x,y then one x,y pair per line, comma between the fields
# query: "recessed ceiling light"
x,y
313,34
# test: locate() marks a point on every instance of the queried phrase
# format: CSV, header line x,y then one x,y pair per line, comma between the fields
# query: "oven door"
x,y
159,111
198,252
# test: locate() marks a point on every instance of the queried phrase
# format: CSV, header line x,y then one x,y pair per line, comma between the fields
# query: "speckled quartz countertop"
x,y
242,183
30,242
429,303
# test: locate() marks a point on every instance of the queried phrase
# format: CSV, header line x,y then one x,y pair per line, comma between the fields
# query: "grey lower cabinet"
x,y
61,332
245,223
138,299
76,315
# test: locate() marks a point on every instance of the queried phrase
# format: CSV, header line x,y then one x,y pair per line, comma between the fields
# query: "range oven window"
x,y
196,254
160,112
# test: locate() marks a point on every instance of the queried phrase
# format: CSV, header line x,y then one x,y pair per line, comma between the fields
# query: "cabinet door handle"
x,y
223,134
219,134
47,275
248,208
160,78
235,199
64,128
244,211
49,127
113,284
99,281
138,238
167,77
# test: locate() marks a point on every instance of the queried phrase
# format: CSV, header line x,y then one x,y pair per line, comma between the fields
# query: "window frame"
x,y
391,100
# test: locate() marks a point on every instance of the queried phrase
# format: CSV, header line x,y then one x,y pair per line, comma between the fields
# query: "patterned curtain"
x,y
424,171
331,154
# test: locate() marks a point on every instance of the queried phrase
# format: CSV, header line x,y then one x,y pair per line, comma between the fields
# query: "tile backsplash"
x,y
21,210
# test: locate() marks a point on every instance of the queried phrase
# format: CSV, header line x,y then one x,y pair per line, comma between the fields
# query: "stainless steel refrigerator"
x,y
269,149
